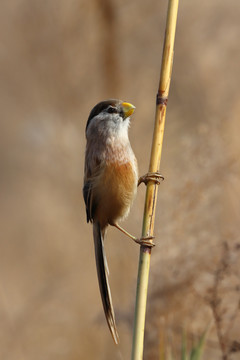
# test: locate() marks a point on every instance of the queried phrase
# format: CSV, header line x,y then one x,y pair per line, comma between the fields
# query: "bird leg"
x,y
145,241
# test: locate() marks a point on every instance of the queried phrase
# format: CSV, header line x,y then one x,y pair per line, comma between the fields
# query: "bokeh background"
x,y
57,60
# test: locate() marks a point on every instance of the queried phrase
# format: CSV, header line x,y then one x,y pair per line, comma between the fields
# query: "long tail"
x,y
102,271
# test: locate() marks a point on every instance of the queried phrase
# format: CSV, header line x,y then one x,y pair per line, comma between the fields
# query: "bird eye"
x,y
111,110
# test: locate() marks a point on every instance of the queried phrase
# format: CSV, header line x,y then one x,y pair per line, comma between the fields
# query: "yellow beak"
x,y
128,109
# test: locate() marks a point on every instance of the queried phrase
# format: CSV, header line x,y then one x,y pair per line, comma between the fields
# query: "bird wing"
x,y
88,198
91,172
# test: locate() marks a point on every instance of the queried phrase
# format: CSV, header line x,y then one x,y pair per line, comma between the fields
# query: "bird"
x,y
110,184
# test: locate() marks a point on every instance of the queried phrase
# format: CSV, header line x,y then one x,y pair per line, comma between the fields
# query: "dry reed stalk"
x,y
152,189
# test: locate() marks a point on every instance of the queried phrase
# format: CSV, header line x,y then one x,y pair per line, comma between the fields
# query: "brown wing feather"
x,y
87,195
90,175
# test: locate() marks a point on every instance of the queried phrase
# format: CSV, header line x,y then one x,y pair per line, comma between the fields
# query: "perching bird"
x,y
110,183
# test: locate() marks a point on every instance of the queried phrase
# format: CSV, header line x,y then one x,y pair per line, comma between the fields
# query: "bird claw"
x,y
151,176
145,241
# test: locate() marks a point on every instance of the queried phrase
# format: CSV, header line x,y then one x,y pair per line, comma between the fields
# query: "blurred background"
x,y
57,60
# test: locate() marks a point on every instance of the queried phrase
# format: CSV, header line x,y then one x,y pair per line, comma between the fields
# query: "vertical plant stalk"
x,y
152,188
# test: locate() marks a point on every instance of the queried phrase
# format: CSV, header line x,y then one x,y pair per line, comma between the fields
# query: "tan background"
x,y
57,60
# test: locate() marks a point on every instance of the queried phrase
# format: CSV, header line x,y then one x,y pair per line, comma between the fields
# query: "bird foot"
x,y
151,176
145,241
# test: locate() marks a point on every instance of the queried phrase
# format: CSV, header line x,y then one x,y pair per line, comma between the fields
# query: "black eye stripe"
x,y
112,110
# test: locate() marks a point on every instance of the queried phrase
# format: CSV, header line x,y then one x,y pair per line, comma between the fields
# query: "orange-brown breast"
x,y
114,191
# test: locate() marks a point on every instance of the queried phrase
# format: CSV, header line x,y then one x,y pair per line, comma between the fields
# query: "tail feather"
x,y
102,271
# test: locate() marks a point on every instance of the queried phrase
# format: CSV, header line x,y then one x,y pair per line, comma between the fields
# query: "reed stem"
x,y
152,188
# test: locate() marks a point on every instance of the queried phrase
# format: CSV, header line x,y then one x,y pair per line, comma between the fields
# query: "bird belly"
x,y
115,190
